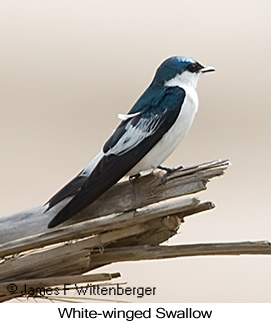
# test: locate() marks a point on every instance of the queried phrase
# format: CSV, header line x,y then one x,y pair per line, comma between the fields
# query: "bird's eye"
x,y
194,67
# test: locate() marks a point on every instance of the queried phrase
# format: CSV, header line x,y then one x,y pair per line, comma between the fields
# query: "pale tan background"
x,y
68,67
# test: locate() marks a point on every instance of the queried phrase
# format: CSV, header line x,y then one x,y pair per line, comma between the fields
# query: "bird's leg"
x,y
134,177
168,171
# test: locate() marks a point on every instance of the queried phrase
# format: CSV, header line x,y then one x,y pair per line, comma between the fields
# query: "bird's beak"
x,y
207,69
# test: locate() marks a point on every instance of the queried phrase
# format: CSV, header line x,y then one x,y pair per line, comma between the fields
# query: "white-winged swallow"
x,y
144,139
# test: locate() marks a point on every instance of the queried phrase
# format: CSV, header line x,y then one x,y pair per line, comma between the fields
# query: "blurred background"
x,y
68,67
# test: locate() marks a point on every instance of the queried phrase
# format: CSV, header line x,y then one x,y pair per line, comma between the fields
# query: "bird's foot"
x,y
132,178
168,171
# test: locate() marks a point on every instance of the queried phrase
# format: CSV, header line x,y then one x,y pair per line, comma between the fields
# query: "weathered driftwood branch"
x,y
123,197
100,257
162,252
104,224
146,211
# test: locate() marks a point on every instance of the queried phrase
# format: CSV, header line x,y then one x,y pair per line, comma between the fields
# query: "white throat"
x,y
186,79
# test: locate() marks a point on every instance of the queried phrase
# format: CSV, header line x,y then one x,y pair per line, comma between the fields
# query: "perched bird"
x,y
146,136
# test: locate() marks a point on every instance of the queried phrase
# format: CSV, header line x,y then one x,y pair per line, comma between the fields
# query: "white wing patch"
x,y
135,134
90,167
127,116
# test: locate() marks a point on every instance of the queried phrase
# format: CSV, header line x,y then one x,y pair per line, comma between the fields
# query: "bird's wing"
x,y
130,142
73,186
70,189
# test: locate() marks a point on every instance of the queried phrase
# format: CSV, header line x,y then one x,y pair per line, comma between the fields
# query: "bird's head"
x,y
178,71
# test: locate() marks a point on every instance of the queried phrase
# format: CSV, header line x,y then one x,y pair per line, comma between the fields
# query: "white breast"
x,y
163,149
